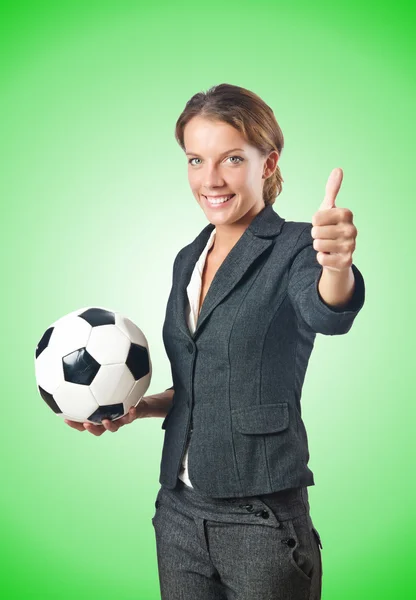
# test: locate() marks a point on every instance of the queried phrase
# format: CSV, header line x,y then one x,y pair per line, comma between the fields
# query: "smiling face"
x,y
220,163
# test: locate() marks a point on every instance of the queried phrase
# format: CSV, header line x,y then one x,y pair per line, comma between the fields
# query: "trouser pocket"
x,y
319,547
318,537
300,550
304,544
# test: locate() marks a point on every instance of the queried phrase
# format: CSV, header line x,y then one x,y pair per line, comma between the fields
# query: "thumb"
x,y
332,188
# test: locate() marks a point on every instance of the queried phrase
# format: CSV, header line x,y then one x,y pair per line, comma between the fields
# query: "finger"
x,y
332,246
94,429
132,414
75,425
125,420
129,417
328,232
110,425
330,216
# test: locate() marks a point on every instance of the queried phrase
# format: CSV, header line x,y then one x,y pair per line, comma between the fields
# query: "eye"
x,y
239,158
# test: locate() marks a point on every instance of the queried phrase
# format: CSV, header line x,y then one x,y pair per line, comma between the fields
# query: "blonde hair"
x,y
249,114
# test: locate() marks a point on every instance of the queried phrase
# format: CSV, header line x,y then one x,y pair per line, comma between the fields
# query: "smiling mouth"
x,y
215,202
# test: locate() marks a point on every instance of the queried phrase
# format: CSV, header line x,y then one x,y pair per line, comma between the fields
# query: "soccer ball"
x,y
92,364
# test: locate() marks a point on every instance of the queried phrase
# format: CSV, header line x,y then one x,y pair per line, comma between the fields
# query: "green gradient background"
x,y
96,204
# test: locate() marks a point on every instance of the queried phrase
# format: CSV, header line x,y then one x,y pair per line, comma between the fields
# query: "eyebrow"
x,y
226,152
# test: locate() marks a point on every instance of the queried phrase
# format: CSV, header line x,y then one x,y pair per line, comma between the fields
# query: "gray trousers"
x,y
252,548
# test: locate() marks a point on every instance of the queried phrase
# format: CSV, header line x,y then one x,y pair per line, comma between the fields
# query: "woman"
x,y
248,296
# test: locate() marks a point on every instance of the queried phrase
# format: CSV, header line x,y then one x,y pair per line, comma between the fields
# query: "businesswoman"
x,y
249,294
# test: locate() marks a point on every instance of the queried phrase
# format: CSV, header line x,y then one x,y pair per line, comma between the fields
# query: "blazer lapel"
x,y
255,240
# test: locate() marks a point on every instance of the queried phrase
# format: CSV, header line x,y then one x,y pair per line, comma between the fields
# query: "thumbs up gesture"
x,y
333,230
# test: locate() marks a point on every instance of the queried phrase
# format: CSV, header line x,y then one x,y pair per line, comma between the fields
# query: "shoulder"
x,y
295,228
295,235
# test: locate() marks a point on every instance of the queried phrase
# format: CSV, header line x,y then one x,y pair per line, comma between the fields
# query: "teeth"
x,y
219,200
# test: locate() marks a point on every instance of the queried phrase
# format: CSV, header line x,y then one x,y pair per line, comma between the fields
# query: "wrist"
x,y
158,405
142,408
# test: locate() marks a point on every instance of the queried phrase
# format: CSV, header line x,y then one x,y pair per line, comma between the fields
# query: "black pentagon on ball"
x,y
110,411
44,341
98,316
138,361
80,367
49,400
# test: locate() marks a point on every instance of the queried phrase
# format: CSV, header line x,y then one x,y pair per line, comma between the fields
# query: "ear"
x,y
270,164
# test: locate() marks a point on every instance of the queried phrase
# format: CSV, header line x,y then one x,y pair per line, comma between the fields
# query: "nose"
x,y
212,178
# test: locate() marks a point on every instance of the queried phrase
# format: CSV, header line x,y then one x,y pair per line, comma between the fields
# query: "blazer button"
x,y
262,513
190,347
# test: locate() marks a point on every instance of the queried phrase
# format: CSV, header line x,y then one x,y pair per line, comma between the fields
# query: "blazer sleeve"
x,y
304,274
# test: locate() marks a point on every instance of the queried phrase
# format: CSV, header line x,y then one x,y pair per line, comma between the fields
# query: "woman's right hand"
x,y
135,412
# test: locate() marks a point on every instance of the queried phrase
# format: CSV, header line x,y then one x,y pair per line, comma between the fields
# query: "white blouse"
x,y
194,294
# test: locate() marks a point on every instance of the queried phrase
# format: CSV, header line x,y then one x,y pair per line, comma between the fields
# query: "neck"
x,y
226,236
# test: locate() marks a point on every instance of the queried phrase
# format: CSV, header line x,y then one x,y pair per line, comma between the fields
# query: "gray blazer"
x,y
238,378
